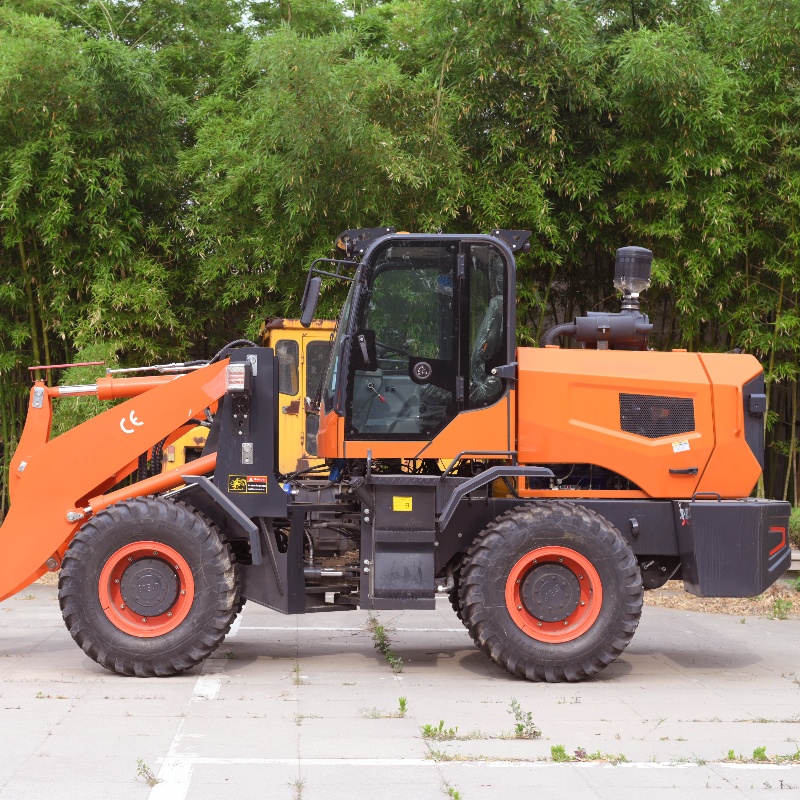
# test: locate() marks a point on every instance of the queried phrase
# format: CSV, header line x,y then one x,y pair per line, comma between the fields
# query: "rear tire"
x,y
454,595
148,588
551,592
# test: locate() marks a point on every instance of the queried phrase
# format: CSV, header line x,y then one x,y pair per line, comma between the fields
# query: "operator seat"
x,y
485,388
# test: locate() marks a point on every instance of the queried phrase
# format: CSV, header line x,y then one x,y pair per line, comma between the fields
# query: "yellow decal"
x,y
401,504
237,483
247,484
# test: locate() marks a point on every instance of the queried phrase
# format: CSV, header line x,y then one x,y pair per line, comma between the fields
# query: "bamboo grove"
x,y
168,168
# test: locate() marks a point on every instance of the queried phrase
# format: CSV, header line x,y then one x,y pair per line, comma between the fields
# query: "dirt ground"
x,y
781,600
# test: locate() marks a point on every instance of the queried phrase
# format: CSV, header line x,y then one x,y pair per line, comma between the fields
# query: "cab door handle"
x,y
687,471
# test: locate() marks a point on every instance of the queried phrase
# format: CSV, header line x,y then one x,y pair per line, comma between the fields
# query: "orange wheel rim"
x,y
549,572
146,589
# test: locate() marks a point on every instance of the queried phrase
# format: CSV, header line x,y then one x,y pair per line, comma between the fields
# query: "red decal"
x,y
782,532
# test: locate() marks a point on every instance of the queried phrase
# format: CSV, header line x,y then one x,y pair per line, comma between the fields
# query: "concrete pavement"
x,y
304,708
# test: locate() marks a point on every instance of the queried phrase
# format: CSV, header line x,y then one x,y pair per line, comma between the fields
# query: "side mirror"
x,y
310,298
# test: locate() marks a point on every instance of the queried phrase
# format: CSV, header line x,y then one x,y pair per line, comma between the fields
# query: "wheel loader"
x,y
543,489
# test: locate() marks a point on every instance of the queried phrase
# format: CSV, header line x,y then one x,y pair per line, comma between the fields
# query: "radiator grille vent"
x,y
653,416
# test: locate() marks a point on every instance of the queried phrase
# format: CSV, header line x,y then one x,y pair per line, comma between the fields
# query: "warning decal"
x,y
247,484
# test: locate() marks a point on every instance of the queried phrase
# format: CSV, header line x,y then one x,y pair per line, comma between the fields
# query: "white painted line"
x,y
754,766
347,630
175,774
192,760
207,687
237,623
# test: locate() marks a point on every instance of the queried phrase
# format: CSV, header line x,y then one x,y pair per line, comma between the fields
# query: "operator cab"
x,y
427,320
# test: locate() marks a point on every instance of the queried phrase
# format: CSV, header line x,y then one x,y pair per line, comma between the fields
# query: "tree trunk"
x,y
792,441
28,281
42,313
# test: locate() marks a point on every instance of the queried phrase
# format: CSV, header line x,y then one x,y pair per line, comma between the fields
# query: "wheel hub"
x,y
149,587
550,592
553,594
146,588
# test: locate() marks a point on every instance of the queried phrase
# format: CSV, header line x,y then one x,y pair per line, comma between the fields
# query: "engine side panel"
x,y
628,411
733,469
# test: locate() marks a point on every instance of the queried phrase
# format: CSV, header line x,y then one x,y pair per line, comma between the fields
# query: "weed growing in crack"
x,y
525,727
559,753
381,642
452,792
377,713
781,608
146,774
582,755
440,733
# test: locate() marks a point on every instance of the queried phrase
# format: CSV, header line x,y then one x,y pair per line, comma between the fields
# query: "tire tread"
x,y
482,625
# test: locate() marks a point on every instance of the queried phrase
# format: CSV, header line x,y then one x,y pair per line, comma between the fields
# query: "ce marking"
x,y
133,421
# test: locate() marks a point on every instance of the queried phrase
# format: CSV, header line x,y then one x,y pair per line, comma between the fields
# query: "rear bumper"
x,y
732,548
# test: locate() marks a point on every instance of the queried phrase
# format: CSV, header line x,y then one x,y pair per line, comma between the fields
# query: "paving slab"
x,y
304,708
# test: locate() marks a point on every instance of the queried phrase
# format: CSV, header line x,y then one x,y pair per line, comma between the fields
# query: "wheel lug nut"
x,y
560,560
519,608
122,605
116,580
580,577
566,622
130,558
155,552
582,603
183,591
144,619
539,624
169,613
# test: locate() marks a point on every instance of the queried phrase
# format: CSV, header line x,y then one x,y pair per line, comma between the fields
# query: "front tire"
x,y
551,591
148,588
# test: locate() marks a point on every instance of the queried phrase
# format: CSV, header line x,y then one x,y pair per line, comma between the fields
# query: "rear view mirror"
x,y
310,298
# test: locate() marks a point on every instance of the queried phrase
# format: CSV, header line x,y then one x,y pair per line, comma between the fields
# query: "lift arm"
x,y
56,483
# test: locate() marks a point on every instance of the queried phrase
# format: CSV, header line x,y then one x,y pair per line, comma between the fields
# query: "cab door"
x,y
435,317
290,403
410,386
314,361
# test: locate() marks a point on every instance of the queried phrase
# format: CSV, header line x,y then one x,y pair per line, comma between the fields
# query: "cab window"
x,y
317,355
487,324
288,353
